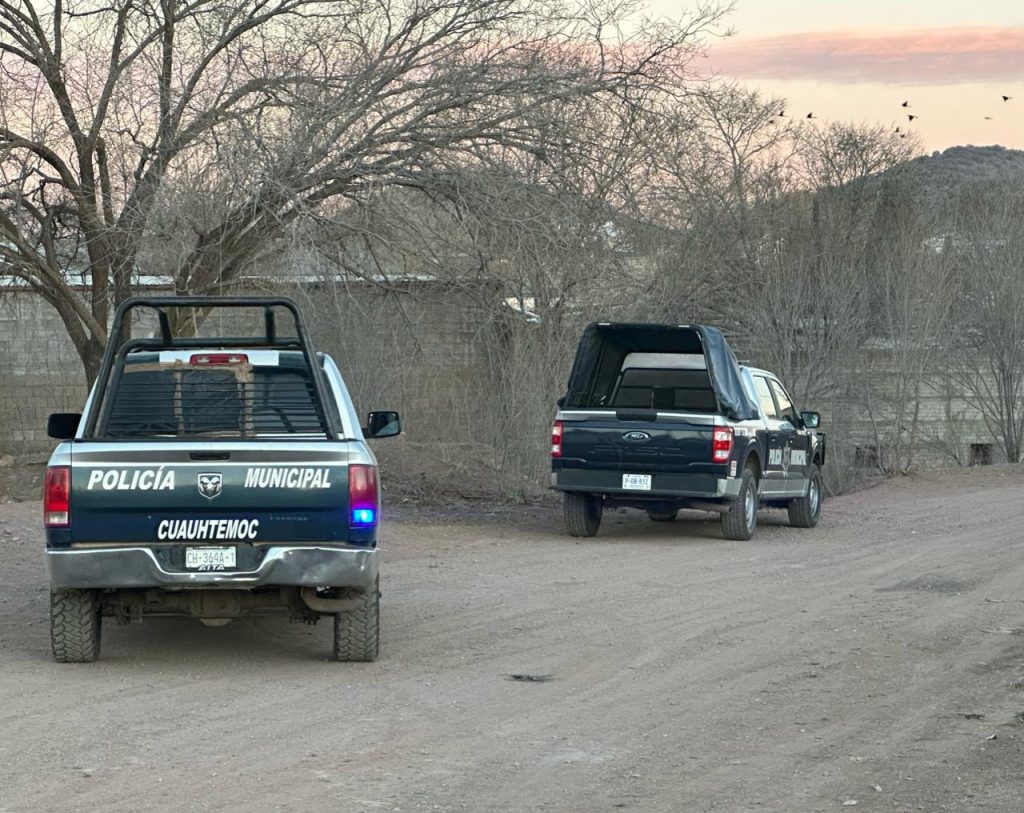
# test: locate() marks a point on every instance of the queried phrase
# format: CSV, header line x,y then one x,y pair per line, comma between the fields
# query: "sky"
x,y
859,60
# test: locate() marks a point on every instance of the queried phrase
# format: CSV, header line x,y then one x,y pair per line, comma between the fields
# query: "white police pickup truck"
x,y
213,476
661,417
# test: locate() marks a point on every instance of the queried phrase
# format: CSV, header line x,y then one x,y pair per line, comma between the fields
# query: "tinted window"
x,y
154,400
764,397
687,390
786,409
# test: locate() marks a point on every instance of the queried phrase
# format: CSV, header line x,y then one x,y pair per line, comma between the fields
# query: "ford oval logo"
x,y
636,437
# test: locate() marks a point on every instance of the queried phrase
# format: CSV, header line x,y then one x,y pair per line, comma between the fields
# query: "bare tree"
x,y
780,216
910,292
276,110
987,349
848,156
721,155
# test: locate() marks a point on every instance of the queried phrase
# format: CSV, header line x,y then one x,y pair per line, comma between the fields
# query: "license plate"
x,y
209,558
636,482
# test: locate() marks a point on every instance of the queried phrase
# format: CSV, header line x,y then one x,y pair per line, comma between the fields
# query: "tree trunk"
x,y
91,355
88,345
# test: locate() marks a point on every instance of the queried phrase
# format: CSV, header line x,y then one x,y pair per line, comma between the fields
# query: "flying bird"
x,y
905,104
988,118
810,116
911,117
782,112
1007,98
897,129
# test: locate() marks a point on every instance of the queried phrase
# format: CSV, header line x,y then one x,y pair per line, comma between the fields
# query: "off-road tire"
x,y
357,631
662,515
804,512
739,522
75,625
582,513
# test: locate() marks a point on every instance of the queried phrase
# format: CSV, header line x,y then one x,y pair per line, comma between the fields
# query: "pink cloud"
x,y
930,55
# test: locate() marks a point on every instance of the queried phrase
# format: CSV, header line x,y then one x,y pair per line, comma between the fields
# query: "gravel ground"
x,y
874,663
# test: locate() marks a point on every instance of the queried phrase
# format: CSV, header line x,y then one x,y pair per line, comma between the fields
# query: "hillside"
x,y
939,180
958,165
941,187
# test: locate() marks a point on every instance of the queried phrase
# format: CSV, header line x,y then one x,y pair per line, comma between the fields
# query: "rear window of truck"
x,y
671,381
222,398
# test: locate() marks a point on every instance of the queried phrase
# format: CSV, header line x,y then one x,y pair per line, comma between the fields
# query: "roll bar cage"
x,y
121,344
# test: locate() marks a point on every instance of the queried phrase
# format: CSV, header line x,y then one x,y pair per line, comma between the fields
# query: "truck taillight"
x,y
363,502
57,497
721,444
556,439
209,359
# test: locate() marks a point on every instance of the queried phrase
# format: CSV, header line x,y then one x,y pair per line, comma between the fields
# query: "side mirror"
x,y
561,402
383,425
63,425
811,420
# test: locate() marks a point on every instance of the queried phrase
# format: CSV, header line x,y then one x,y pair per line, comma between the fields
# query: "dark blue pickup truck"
x,y
213,476
661,417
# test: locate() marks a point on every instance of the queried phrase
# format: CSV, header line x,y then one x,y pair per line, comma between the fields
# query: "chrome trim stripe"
x,y
138,567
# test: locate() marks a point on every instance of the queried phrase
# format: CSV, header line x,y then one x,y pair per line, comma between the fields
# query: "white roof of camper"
x,y
665,361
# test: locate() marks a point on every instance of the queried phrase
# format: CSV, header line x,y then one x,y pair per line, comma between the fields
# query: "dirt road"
x,y
877,659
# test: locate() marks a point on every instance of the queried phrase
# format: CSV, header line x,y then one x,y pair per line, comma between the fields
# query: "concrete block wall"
x,y
948,426
421,349
40,372
413,350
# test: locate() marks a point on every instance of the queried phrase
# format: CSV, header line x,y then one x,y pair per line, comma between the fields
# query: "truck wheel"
x,y
582,513
75,625
663,515
739,521
804,512
357,631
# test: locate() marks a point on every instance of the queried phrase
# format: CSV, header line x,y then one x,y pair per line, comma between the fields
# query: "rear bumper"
x,y
127,567
663,485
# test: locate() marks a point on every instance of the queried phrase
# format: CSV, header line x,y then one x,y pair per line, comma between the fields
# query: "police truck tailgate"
x,y
196,492
657,454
